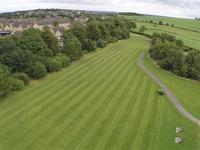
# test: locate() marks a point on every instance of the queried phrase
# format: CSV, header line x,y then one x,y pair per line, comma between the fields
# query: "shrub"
x,y
5,86
90,45
113,40
142,29
179,43
21,76
53,65
101,43
85,52
160,22
37,71
16,84
164,37
65,61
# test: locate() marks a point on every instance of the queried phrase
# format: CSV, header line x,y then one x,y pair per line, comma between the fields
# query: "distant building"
x,y
5,33
16,26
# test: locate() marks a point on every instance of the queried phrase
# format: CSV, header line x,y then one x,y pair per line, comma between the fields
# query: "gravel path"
x,y
169,94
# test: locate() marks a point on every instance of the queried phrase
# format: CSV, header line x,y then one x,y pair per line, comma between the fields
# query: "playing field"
x,y
103,101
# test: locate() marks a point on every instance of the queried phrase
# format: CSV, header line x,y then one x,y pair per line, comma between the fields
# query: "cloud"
x,y
177,8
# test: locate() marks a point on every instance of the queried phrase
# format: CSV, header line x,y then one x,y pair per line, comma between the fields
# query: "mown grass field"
x,y
103,101
190,38
189,24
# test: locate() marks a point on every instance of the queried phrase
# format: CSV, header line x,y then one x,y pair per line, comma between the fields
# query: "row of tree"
x,y
172,55
36,53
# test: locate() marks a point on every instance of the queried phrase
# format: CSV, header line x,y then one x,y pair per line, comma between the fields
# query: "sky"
x,y
174,8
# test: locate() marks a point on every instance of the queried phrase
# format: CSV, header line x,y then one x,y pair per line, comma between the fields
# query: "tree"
x,y
93,31
7,83
193,65
72,46
142,29
179,43
37,70
90,45
160,22
80,33
10,54
104,31
31,40
5,86
50,40
133,25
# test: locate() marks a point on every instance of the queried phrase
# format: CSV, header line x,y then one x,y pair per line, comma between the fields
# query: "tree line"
x,y
36,53
171,54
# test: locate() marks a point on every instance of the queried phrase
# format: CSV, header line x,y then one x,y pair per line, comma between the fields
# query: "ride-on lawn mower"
x,y
161,92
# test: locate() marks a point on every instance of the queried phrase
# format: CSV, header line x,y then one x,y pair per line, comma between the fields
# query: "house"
x,y
17,26
58,32
5,33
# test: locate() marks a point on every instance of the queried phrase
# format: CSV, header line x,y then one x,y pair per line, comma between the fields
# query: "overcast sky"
x,y
176,8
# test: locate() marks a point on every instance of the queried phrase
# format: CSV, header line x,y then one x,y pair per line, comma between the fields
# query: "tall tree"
x,y
72,46
50,40
31,40
79,31
93,31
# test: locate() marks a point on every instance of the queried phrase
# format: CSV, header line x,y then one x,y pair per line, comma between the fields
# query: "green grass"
x,y
190,38
189,24
186,90
103,101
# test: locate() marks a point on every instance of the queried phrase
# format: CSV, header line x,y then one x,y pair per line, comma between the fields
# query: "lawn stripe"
x,y
115,128
126,54
98,113
129,129
117,125
145,120
158,121
150,129
111,117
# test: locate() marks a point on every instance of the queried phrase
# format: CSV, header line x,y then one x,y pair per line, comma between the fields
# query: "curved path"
x,y
169,94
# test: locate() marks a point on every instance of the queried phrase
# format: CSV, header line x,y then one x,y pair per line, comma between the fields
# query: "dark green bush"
x,y
101,43
16,84
21,76
168,52
65,61
90,45
53,65
37,71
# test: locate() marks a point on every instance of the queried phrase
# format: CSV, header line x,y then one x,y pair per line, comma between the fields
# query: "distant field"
x,y
189,24
190,38
103,101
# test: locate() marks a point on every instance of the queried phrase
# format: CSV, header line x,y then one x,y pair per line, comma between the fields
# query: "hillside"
x,y
46,13
190,38
189,24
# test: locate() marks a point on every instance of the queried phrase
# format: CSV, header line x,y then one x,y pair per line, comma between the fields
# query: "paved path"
x,y
170,95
